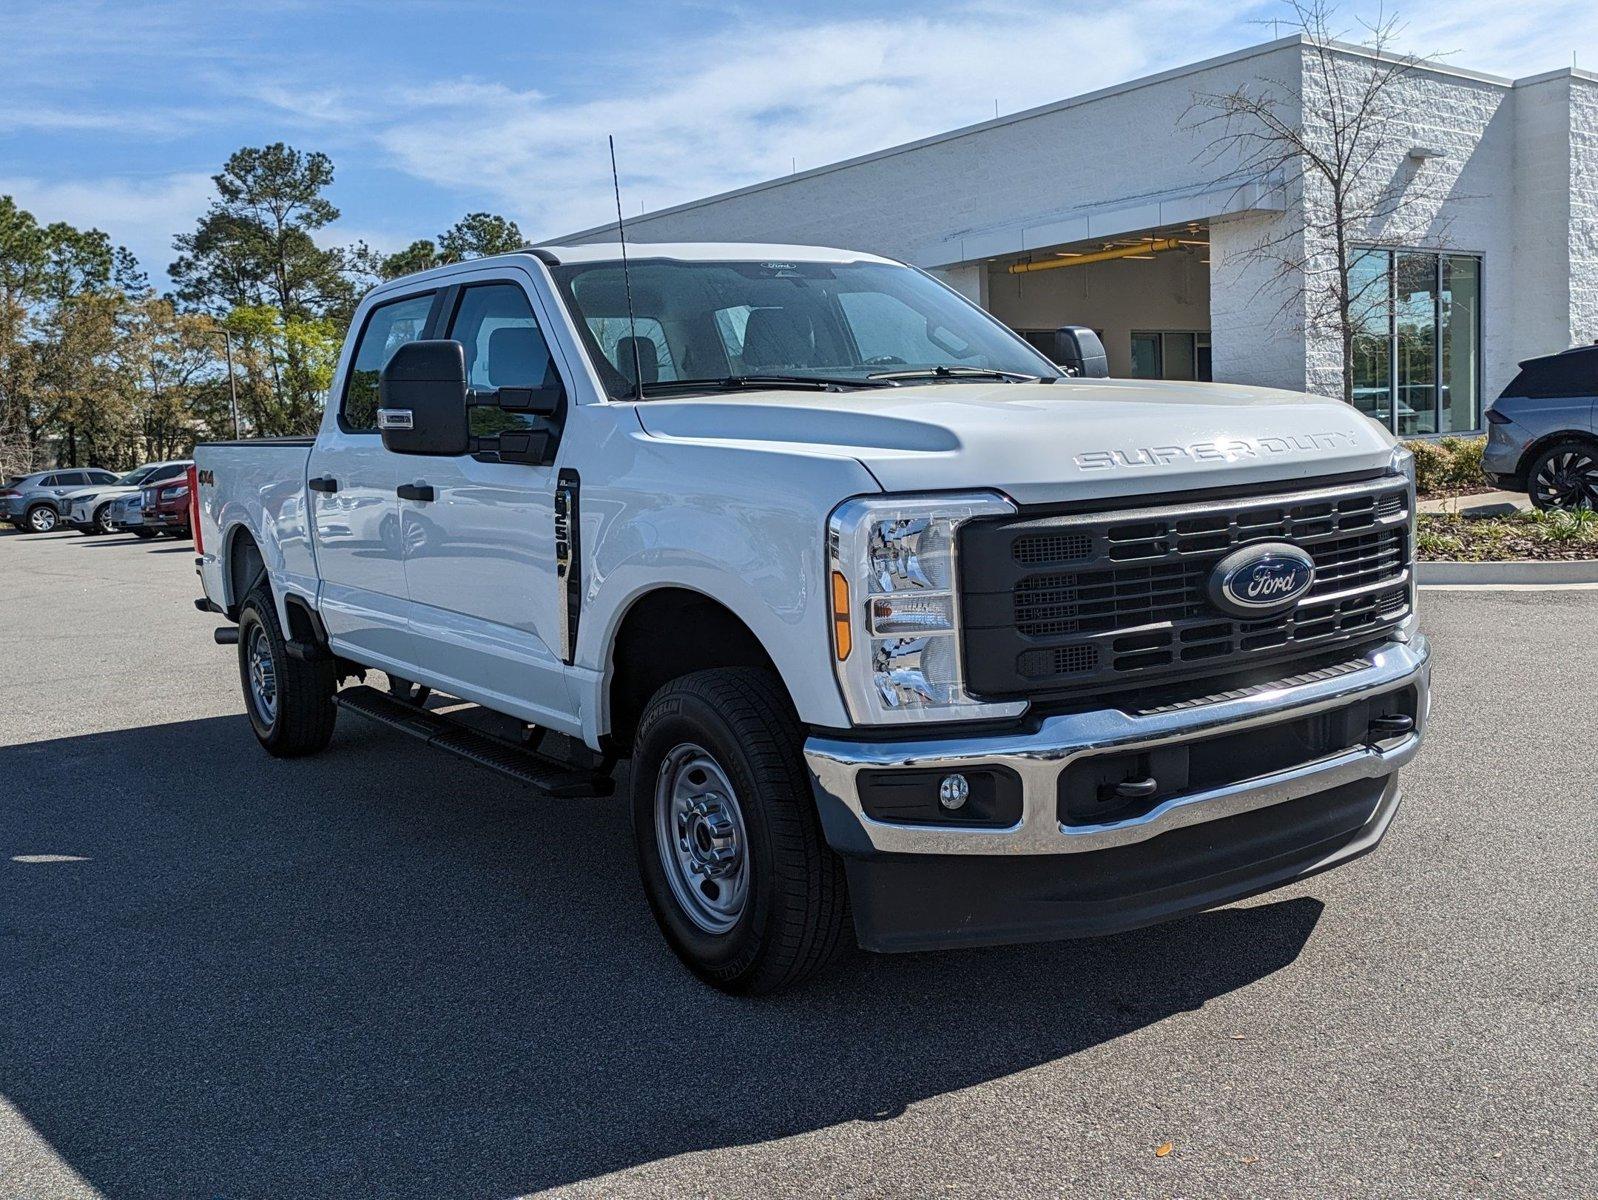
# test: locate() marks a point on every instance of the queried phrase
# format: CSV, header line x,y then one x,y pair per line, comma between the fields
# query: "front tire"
x,y
42,519
730,851
289,701
102,519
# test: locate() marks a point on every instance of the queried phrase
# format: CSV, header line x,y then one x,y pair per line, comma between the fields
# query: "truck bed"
x,y
258,483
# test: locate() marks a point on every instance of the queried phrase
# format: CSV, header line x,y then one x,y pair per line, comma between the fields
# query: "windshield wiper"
x,y
959,373
732,383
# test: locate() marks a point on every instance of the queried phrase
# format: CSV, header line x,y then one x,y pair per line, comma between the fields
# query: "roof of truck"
x,y
637,251
708,252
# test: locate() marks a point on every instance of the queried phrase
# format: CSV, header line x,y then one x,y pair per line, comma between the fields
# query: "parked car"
x,y
37,502
88,510
126,515
908,633
164,506
1542,432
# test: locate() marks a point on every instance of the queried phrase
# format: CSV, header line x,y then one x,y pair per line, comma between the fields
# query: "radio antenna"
x,y
627,278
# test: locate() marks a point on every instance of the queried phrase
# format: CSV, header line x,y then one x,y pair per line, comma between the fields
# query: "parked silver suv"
x,y
34,502
1542,433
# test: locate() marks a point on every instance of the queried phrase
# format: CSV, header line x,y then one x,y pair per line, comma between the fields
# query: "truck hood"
x,y
1044,443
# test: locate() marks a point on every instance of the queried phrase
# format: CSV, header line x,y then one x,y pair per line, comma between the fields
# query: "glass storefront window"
x,y
1370,315
1416,320
1461,342
1415,343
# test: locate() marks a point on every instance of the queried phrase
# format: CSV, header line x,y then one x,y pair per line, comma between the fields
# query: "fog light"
x,y
953,792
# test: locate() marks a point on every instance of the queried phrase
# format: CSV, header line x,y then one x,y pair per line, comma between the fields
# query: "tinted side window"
x,y
388,327
45,481
72,479
504,345
171,471
102,477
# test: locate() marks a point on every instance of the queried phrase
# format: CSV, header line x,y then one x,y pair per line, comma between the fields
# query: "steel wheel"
x,y
699,831
42,519
263,676
1566,477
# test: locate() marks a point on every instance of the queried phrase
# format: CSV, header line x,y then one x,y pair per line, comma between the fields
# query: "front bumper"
x,y
917,886
163,521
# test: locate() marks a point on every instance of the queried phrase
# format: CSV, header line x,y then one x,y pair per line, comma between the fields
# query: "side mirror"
x,y
1078,350
421,405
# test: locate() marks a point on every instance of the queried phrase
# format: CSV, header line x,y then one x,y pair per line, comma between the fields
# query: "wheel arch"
x,y
1538,445
703,633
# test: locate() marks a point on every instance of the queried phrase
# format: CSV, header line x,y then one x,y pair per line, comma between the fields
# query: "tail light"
x,y
9,492
193,475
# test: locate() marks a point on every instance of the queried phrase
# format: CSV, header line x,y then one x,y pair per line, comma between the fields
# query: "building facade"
x,y
1127,210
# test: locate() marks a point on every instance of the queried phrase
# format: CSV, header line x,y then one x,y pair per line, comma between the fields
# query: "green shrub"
x,y
1431,465
1452,462
1465,466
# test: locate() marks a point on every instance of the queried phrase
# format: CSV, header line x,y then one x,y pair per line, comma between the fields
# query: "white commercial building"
x,y
1488,254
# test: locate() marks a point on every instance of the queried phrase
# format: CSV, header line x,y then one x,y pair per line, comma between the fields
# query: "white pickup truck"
x,y
906,632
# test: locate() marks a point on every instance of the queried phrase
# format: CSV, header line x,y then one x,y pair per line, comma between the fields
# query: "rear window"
x,y
1562,375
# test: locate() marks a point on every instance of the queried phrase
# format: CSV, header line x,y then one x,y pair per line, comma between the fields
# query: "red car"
x,y
166,506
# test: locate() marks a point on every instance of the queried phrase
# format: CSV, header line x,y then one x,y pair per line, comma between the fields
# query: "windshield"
x,y
135,477
841,324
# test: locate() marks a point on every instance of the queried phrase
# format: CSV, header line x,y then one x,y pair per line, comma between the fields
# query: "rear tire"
x,y
1564,476
143,533
289,701
730,851
42,519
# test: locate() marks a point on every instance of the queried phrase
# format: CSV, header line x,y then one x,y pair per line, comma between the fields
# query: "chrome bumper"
x,y
1038,757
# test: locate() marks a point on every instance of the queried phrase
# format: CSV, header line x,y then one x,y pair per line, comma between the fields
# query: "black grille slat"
x,y
1116,598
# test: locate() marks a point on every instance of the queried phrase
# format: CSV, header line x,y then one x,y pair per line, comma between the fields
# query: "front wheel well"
x,y
665,635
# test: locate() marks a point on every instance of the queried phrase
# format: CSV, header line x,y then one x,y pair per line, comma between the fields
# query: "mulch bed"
x,y
1447,537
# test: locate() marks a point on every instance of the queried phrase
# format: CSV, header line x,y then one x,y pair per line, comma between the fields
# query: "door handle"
x,y
322,483
415,491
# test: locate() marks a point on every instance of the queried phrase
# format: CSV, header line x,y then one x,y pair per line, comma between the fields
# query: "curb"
x,y
1507,573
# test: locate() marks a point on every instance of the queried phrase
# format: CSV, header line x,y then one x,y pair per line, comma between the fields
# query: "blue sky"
x,y
116,114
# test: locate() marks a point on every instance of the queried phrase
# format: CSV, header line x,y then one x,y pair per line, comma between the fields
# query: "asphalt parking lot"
x,y
385,972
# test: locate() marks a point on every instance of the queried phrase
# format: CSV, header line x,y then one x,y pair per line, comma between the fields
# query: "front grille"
x,y
1112,599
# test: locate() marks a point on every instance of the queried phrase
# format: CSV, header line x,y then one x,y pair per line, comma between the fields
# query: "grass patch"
x,y
1550,536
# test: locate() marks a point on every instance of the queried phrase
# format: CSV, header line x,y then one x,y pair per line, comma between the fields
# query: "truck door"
x,y
354,512
480,546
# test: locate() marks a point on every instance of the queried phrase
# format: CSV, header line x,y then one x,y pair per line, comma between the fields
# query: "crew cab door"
x,y
355,514
480,535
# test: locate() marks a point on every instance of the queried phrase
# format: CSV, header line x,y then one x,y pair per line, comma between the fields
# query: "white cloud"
x,y
142,214
749,103
753,101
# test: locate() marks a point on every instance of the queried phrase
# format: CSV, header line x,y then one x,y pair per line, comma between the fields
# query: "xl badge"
x,y
1262,579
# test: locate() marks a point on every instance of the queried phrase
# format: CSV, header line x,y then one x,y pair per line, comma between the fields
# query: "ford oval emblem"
x,y
1262,579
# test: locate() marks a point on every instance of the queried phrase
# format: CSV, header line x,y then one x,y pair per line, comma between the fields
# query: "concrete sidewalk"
x,y
1484,504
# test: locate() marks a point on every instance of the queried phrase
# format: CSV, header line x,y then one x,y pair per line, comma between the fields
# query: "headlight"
x,y
896,607
1403,462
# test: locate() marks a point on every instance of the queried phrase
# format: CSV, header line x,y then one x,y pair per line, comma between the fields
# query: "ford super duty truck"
x,y
905,632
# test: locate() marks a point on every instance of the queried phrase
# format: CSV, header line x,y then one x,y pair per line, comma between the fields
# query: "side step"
x,y
484,749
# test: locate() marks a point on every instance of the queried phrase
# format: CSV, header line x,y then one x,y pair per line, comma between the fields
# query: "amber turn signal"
x,y
842,637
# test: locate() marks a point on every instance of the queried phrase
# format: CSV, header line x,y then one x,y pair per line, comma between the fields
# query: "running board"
x,y
546,775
